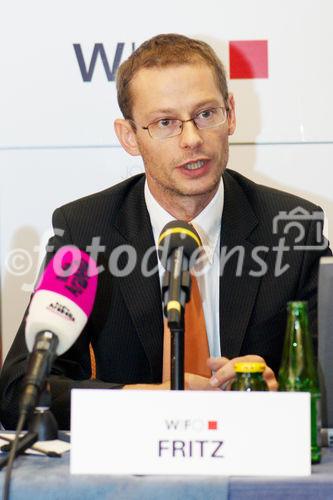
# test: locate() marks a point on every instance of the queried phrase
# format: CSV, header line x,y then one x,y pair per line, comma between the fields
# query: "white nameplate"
x,y
183,432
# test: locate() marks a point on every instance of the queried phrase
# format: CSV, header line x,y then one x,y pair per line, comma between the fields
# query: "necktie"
x,y
196,342
92,362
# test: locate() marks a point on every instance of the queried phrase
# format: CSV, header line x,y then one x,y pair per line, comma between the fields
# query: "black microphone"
x,y
39,366
58,312
178,245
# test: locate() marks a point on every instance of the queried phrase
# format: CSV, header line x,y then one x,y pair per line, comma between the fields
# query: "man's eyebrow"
x,y
208,103
162,111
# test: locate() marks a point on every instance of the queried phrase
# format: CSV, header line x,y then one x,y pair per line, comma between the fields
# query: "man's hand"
x,y
225,372
223,376
198,383
148,387
192,382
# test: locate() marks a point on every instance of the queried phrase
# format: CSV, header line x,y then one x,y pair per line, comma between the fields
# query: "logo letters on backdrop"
x,y
247,59
87,72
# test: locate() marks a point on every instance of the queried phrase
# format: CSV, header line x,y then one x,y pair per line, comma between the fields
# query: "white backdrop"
x,y
57,141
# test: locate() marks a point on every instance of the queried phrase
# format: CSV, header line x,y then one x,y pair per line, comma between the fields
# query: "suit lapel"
x,y
238,290
142,294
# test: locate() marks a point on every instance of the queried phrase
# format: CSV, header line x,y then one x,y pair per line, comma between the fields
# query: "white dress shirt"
x,y
208,226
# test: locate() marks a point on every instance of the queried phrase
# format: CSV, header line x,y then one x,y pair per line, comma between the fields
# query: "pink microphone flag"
x,y
73,274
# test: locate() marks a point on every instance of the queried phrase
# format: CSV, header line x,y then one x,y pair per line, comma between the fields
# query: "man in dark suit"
x,y
178,115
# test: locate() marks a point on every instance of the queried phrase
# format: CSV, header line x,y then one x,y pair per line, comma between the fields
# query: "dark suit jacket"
x,y
126,326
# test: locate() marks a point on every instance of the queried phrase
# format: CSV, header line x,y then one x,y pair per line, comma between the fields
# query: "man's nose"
x,y
190,136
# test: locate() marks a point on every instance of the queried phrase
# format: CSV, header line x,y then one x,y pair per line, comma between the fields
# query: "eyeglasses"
x,y
170,127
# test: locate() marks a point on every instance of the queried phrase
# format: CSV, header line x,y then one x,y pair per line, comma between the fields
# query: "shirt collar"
x,y
207,223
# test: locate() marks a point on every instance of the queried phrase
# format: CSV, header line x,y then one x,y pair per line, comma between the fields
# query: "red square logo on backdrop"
x,y
212,425
248,59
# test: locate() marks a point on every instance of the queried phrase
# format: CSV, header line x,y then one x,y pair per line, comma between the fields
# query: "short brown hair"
x,y
166,50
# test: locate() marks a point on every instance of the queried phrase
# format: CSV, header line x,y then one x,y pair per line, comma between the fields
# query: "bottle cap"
x,y
249,367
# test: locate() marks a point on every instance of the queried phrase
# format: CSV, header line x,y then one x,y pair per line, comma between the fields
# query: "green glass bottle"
x,y
298,370
249,377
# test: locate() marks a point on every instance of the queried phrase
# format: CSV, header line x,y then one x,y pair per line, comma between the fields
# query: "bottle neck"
x,y
249,375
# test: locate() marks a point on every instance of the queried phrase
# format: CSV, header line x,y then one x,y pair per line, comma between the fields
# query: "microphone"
x,y
177,246
58,312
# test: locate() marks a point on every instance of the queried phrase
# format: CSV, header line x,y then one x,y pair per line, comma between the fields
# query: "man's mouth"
x,y
194,165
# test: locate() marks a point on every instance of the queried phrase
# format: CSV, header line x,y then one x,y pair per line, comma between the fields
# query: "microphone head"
x,y
63,298
177,234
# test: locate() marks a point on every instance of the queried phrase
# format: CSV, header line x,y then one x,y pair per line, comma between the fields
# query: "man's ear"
x,y
231,115
126,136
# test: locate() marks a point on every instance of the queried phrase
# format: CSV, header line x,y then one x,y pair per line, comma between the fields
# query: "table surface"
x,y
43,478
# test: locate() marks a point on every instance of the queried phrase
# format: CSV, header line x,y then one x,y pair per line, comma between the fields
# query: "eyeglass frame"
x,y
225,108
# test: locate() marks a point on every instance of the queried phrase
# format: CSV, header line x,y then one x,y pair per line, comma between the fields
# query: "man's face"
x,y
191,163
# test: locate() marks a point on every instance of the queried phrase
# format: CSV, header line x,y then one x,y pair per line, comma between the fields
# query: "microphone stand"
x,y
42,420
177,382
42,426
176,322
